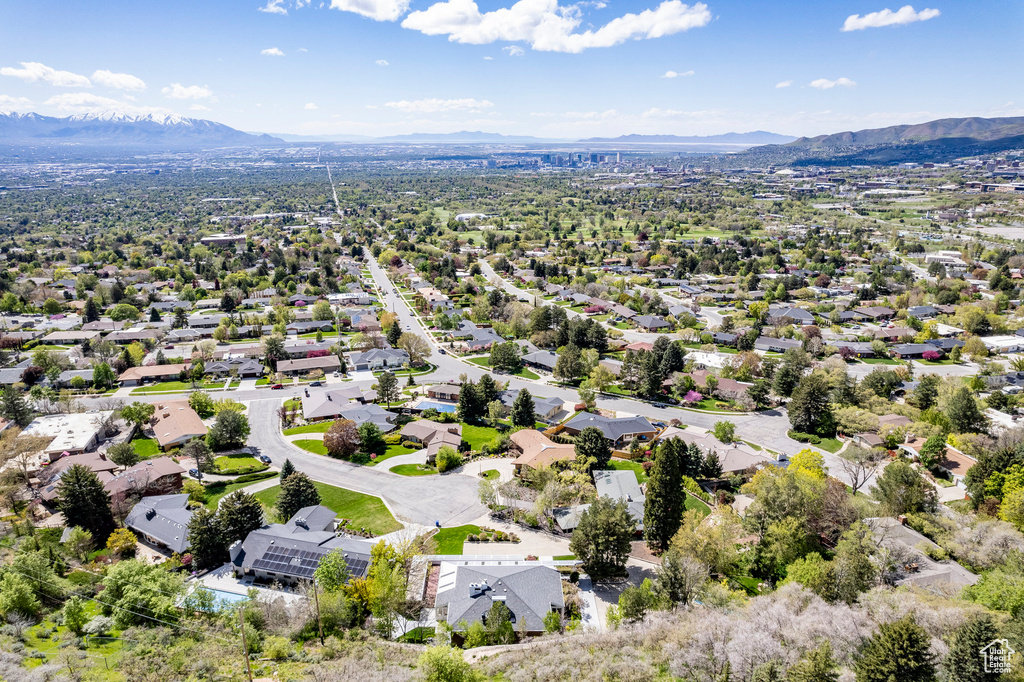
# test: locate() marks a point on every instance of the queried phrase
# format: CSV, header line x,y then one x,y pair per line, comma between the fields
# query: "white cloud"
x,y
10,103
273,7
119,81
84,102
199,107
433,105
311,106
382,62
488,59
783,84
34,71
514,50
179,91
379,10
272,52
548,26
677,74
886,17
826,84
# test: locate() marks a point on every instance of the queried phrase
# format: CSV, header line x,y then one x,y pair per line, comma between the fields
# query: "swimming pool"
x,y
440,407
228,597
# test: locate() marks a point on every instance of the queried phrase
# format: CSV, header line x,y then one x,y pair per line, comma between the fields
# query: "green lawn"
x,y
491,474
392,451
314,446
413,470
476,436
215,491
941,361
363,511
146,447
626,465
694,503
830,445
319,427
232,465
163,386
486,362
880,361
450,540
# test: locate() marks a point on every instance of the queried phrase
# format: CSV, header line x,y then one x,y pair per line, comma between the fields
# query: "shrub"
x,y
447,459
410,444
804,437
277,648
99,625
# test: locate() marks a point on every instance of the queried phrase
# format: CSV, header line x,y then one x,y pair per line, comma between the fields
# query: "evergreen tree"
x,y
665,500
394,333
91,313
470,408
602,539
287,469
592,451
240,513
926,393
486,389
817,665
569,365
15,408
692,461
82,497
964,662
522,410
712,468
898,652
387,388
297,491
629,373
810,410
673,360
902,490
964,415
758,392
207,544
785,380
154,315
650,375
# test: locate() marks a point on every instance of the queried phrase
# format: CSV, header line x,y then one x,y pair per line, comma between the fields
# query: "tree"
x,y
665,501
636,600
932,451
499,624
445,664
506,357
758,393
416,346
785,380
199,451
74,614
809,462
852,569
202,403
79,542
207,543
322,311
712,542
487,390
297,492
123,311
123,455
332,572
964,662
15,408
592,451
448,458
273,350
601,541
17,597
393,334
370,437
287,469
229,430
138,413
817,665
859,464
387,388
679,577
902,490
471,407
963,413
522,413
122,542
725,431
898,652
342,439
569,365
91,312
600,378
810,410
240,513
103,376
82,497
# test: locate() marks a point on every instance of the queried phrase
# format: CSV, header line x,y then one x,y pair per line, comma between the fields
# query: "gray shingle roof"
x,y
164,517
613,428
529,592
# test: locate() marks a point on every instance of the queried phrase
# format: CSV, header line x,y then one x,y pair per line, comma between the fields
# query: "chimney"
x,y
301,522
103,456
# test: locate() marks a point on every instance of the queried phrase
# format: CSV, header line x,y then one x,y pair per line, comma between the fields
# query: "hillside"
x,y
113,129
751,138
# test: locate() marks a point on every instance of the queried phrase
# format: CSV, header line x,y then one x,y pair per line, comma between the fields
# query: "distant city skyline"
x,y
533,67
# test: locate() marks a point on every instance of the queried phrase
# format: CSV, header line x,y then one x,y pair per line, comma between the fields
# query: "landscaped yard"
x,y
491,475
694,503
477,436
314,446
450,540
319,427
486,362
215,491
830,445
363,511
627,465
879,361
233,465
413,470
146,447
392,451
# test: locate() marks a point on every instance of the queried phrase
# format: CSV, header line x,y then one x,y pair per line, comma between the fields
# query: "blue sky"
x,y
536,67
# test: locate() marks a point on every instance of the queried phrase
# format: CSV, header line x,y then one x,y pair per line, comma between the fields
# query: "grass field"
x,y
486,362
319,427
450,540
413,470
626,465
491,475
830,445
231,465
363,511
146,447
392,451
693,503
314,446
215,491
476,436
879,361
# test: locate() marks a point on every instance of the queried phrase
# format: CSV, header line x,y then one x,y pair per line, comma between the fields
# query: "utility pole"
x,y
245,647
319,623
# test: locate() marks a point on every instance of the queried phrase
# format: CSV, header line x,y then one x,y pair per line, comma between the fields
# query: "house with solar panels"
x,y
290,552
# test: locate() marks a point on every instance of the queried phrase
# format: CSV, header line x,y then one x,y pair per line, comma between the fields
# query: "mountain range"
x,y
759,137
115,129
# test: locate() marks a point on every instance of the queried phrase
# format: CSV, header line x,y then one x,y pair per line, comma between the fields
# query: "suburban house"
x,y
240,367
161,520
290,552
448,392
953,461
324,363
176,423
770,345
618,430
622,485
136,376
651,322
790,315
97,462
378,358
330,404
432,435
544,409
537,450
157,476
69,337
860,349
875,313
544,359
368,413
922,312
466,593
945,577
73,433
905,351
735,458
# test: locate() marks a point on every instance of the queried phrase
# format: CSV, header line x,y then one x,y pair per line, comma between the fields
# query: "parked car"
x,y
442,351
276,386
316,383
263,458
194,473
